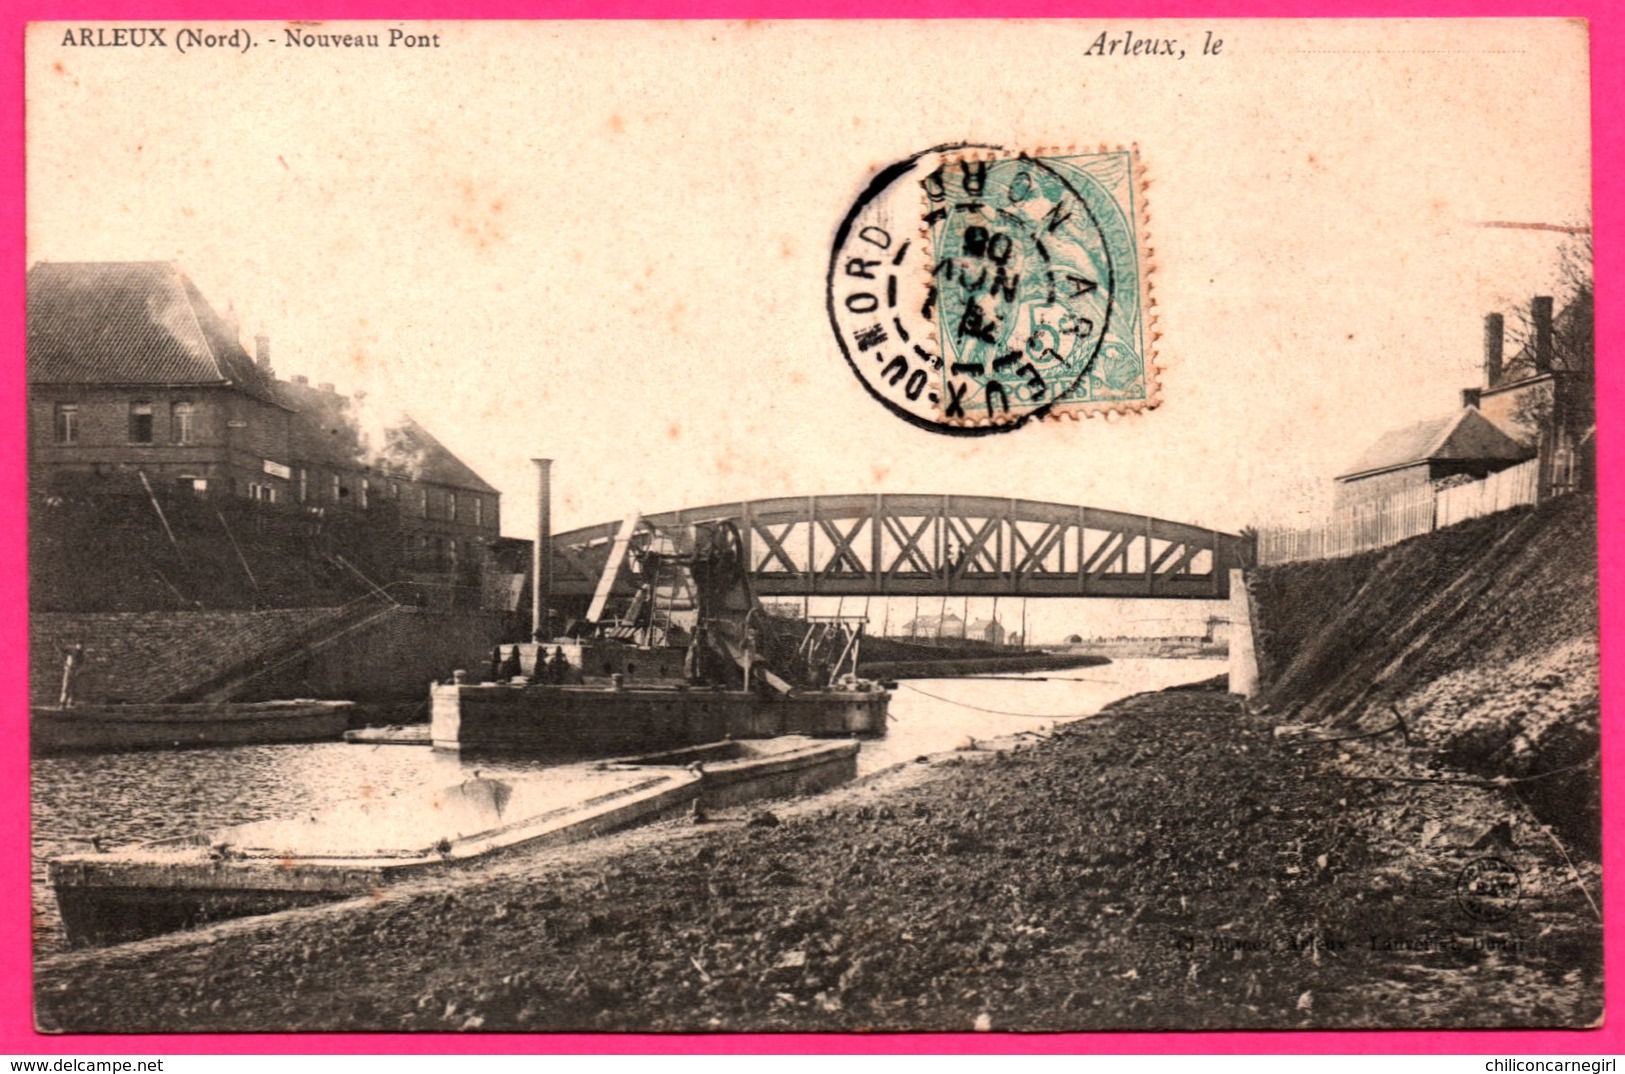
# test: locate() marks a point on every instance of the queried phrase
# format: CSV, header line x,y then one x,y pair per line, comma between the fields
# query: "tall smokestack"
x,y
1540,312
541,567
262,352
1493,335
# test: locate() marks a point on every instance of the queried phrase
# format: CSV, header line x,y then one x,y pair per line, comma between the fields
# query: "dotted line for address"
x,y
1402,51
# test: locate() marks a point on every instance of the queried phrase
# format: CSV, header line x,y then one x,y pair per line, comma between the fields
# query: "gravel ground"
x,y
1171,863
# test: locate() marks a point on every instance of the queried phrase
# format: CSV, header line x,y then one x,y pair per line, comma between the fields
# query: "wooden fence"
x,y
1378,523
1509,488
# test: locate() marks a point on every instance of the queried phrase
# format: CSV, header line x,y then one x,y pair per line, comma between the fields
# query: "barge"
x,y
132,892
170,726
693,658
574,722
143,890
736,773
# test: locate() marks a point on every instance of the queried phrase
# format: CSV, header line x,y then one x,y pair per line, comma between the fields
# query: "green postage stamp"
x,y
974,289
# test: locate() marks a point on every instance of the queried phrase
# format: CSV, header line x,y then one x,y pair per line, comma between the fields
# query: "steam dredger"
x,y
693,658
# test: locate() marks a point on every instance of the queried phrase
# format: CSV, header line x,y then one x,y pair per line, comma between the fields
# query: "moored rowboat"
x,y
170,726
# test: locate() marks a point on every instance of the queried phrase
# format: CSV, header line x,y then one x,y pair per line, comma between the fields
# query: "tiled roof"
x,y
130,322
144,322
326,430
1466,434
435,462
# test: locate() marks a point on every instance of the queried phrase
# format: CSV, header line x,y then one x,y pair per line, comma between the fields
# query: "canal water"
x,y
120,798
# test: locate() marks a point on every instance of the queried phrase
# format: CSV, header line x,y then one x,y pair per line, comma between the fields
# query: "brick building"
x,y
131,370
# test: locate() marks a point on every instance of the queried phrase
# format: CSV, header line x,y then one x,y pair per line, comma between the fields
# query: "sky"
x,y
606,243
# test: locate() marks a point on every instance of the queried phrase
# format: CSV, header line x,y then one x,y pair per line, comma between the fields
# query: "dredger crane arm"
x,y
612,566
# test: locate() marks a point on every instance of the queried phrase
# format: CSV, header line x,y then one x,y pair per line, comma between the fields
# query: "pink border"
x,y
17,1035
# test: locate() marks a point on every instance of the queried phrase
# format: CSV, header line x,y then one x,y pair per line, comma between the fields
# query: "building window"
x,y
67,423
394,490
140,423
181,415
304,484
196,485
366,487
479,511
425,503
333,489
451,507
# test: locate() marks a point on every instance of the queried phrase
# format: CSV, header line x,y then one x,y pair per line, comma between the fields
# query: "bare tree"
x,y
1571,407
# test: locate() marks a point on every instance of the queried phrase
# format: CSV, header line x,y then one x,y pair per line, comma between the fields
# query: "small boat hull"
x,y
566,722
737,772
136,726
145,890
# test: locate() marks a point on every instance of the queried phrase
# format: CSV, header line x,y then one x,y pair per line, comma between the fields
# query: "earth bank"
x,y
1482,637
1172,863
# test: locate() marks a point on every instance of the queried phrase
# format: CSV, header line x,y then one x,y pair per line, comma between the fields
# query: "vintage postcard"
x,y
812,526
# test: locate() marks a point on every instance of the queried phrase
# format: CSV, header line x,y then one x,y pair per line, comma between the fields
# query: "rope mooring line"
x,y
993,712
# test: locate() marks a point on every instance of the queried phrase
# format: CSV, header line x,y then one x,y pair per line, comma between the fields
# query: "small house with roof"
x,y
1534,404
988,630
935,626
1465,443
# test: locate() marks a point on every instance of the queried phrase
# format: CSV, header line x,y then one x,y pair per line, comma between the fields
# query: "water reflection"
x,y
121,798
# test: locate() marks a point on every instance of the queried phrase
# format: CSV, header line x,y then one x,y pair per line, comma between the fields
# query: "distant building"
x,y
130,369
935,626
988,630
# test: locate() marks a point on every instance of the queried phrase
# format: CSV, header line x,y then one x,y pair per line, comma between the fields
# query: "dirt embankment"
x,y
1170,864
1482,636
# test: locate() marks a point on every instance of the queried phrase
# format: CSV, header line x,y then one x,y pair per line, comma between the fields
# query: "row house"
x,y
131,369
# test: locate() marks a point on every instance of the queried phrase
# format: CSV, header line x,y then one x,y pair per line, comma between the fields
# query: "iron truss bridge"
x,y
908,544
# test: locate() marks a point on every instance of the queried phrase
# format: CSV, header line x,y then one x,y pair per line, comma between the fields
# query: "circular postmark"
x,y
1489,889
972,289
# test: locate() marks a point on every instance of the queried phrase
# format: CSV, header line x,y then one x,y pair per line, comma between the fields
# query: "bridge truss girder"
x,y
907,544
